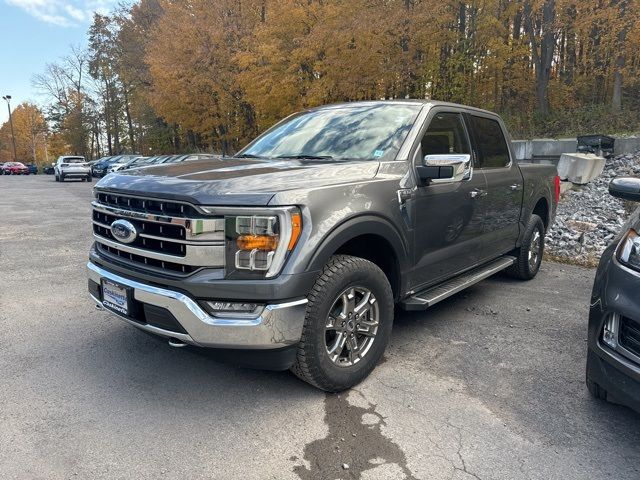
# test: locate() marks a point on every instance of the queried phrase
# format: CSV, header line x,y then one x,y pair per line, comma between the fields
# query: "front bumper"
x,y
615,370
276,326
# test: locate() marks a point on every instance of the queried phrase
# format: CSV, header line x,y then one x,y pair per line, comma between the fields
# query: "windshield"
x,y
371,131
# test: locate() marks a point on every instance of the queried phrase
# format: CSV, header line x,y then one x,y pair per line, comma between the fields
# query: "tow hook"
x,y
175,343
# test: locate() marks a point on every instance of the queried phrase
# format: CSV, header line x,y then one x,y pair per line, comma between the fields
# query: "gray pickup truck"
x,y
294,252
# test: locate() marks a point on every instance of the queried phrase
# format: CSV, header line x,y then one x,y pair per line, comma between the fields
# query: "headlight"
x,y
629,250
258,243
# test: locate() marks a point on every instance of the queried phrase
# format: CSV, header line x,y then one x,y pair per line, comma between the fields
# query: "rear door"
x,y
448,216
504,185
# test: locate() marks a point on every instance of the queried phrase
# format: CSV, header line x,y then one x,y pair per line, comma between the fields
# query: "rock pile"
x,y
588,217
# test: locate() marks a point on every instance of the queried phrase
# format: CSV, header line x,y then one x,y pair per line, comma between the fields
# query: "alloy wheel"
x,y
351,326
535,250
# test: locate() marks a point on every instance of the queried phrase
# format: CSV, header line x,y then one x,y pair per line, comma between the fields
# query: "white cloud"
x,y
64,13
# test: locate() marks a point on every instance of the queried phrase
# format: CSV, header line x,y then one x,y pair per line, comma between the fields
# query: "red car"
x,y
15,168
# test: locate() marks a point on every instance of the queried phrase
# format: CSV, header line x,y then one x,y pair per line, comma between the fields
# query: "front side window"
x,y
492,146
446,134
362,132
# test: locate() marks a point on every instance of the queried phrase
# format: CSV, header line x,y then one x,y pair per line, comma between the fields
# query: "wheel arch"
x,y
369,237
541,209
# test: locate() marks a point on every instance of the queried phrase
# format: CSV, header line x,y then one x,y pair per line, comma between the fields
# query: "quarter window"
x,y
492,146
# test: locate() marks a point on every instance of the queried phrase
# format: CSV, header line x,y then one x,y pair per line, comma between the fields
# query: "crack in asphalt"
x,y
351,442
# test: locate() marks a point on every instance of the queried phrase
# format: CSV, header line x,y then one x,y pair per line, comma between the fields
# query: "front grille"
x,y
146,205
167,240
629,335
172,232
143,261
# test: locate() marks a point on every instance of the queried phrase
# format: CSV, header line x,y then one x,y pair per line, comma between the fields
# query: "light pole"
x,y
13,136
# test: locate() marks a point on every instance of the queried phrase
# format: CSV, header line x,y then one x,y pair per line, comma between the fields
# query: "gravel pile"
x,y
588,217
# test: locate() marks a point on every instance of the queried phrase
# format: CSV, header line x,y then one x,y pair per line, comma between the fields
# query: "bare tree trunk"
x,y
543,58
129,122
616,98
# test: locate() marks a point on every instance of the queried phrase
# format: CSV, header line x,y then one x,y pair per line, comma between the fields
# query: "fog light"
x,y
232,308
610,331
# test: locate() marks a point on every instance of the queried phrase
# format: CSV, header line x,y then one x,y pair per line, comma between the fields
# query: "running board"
x,y
433,295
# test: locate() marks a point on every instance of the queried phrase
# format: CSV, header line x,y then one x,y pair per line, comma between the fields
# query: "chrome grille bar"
x,y
197,256
197,229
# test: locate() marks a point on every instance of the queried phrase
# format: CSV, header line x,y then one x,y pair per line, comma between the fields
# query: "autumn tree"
x,y
30,129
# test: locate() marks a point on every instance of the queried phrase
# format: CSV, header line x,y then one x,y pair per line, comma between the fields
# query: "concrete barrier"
x,y
552,148
580,168
626,145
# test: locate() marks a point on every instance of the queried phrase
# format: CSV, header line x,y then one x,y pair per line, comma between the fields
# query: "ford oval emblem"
x,y
124,231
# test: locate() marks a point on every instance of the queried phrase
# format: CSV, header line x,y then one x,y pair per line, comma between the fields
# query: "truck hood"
x,y
235,181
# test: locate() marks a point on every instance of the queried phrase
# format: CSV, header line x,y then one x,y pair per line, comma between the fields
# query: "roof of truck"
x,y
410,101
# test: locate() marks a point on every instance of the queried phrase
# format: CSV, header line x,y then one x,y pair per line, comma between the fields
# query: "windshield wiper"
x,y
306,157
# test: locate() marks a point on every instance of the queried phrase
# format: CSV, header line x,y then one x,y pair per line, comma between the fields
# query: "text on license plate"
x,y
115,297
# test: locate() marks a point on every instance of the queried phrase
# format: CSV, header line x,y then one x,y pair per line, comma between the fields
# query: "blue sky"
x,y
34,33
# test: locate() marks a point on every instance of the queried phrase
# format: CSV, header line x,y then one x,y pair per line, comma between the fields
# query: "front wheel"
x,y
529,255
347,324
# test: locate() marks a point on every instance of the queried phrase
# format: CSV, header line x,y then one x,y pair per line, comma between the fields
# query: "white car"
x,y
72,166
122,162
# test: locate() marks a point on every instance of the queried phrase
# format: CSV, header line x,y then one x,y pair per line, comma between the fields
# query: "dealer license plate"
x,y
115,297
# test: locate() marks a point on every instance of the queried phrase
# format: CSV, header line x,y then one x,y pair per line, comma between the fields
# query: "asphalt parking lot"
x,y
486,385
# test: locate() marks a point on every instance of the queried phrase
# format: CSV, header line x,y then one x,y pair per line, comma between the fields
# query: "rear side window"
x,y
492,146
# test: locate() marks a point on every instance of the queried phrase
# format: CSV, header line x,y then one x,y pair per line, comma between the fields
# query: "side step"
x,y
433,295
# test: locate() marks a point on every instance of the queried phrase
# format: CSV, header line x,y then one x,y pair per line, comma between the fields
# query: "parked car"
x,y
49,169
14,168
293,253
146,162
121,162
190,157
33,168
71,166
613,360
101,166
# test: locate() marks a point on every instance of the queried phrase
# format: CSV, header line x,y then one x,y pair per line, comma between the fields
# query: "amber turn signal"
x,y
296,228
257,242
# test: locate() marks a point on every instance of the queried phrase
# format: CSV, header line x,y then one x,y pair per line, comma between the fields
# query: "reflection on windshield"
x,y
371,131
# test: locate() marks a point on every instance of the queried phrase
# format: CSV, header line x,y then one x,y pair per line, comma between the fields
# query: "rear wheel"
x,y
61,178
347,324
529,255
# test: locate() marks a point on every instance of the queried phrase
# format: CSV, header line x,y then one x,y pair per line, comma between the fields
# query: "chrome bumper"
x,y
277,325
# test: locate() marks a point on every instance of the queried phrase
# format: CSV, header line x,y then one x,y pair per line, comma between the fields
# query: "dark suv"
x,y
293,253
613,362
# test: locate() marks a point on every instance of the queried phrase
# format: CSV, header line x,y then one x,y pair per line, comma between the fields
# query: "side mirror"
x,y
627,188
444,168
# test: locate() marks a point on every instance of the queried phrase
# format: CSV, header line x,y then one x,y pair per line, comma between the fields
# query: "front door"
x,y
449,217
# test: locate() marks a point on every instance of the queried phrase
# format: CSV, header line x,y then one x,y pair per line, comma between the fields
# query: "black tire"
x,y
62,178
313,363
596,390
523,268
57,177
89,178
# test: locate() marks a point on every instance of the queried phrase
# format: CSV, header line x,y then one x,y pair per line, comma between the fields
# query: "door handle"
x,y
515,186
